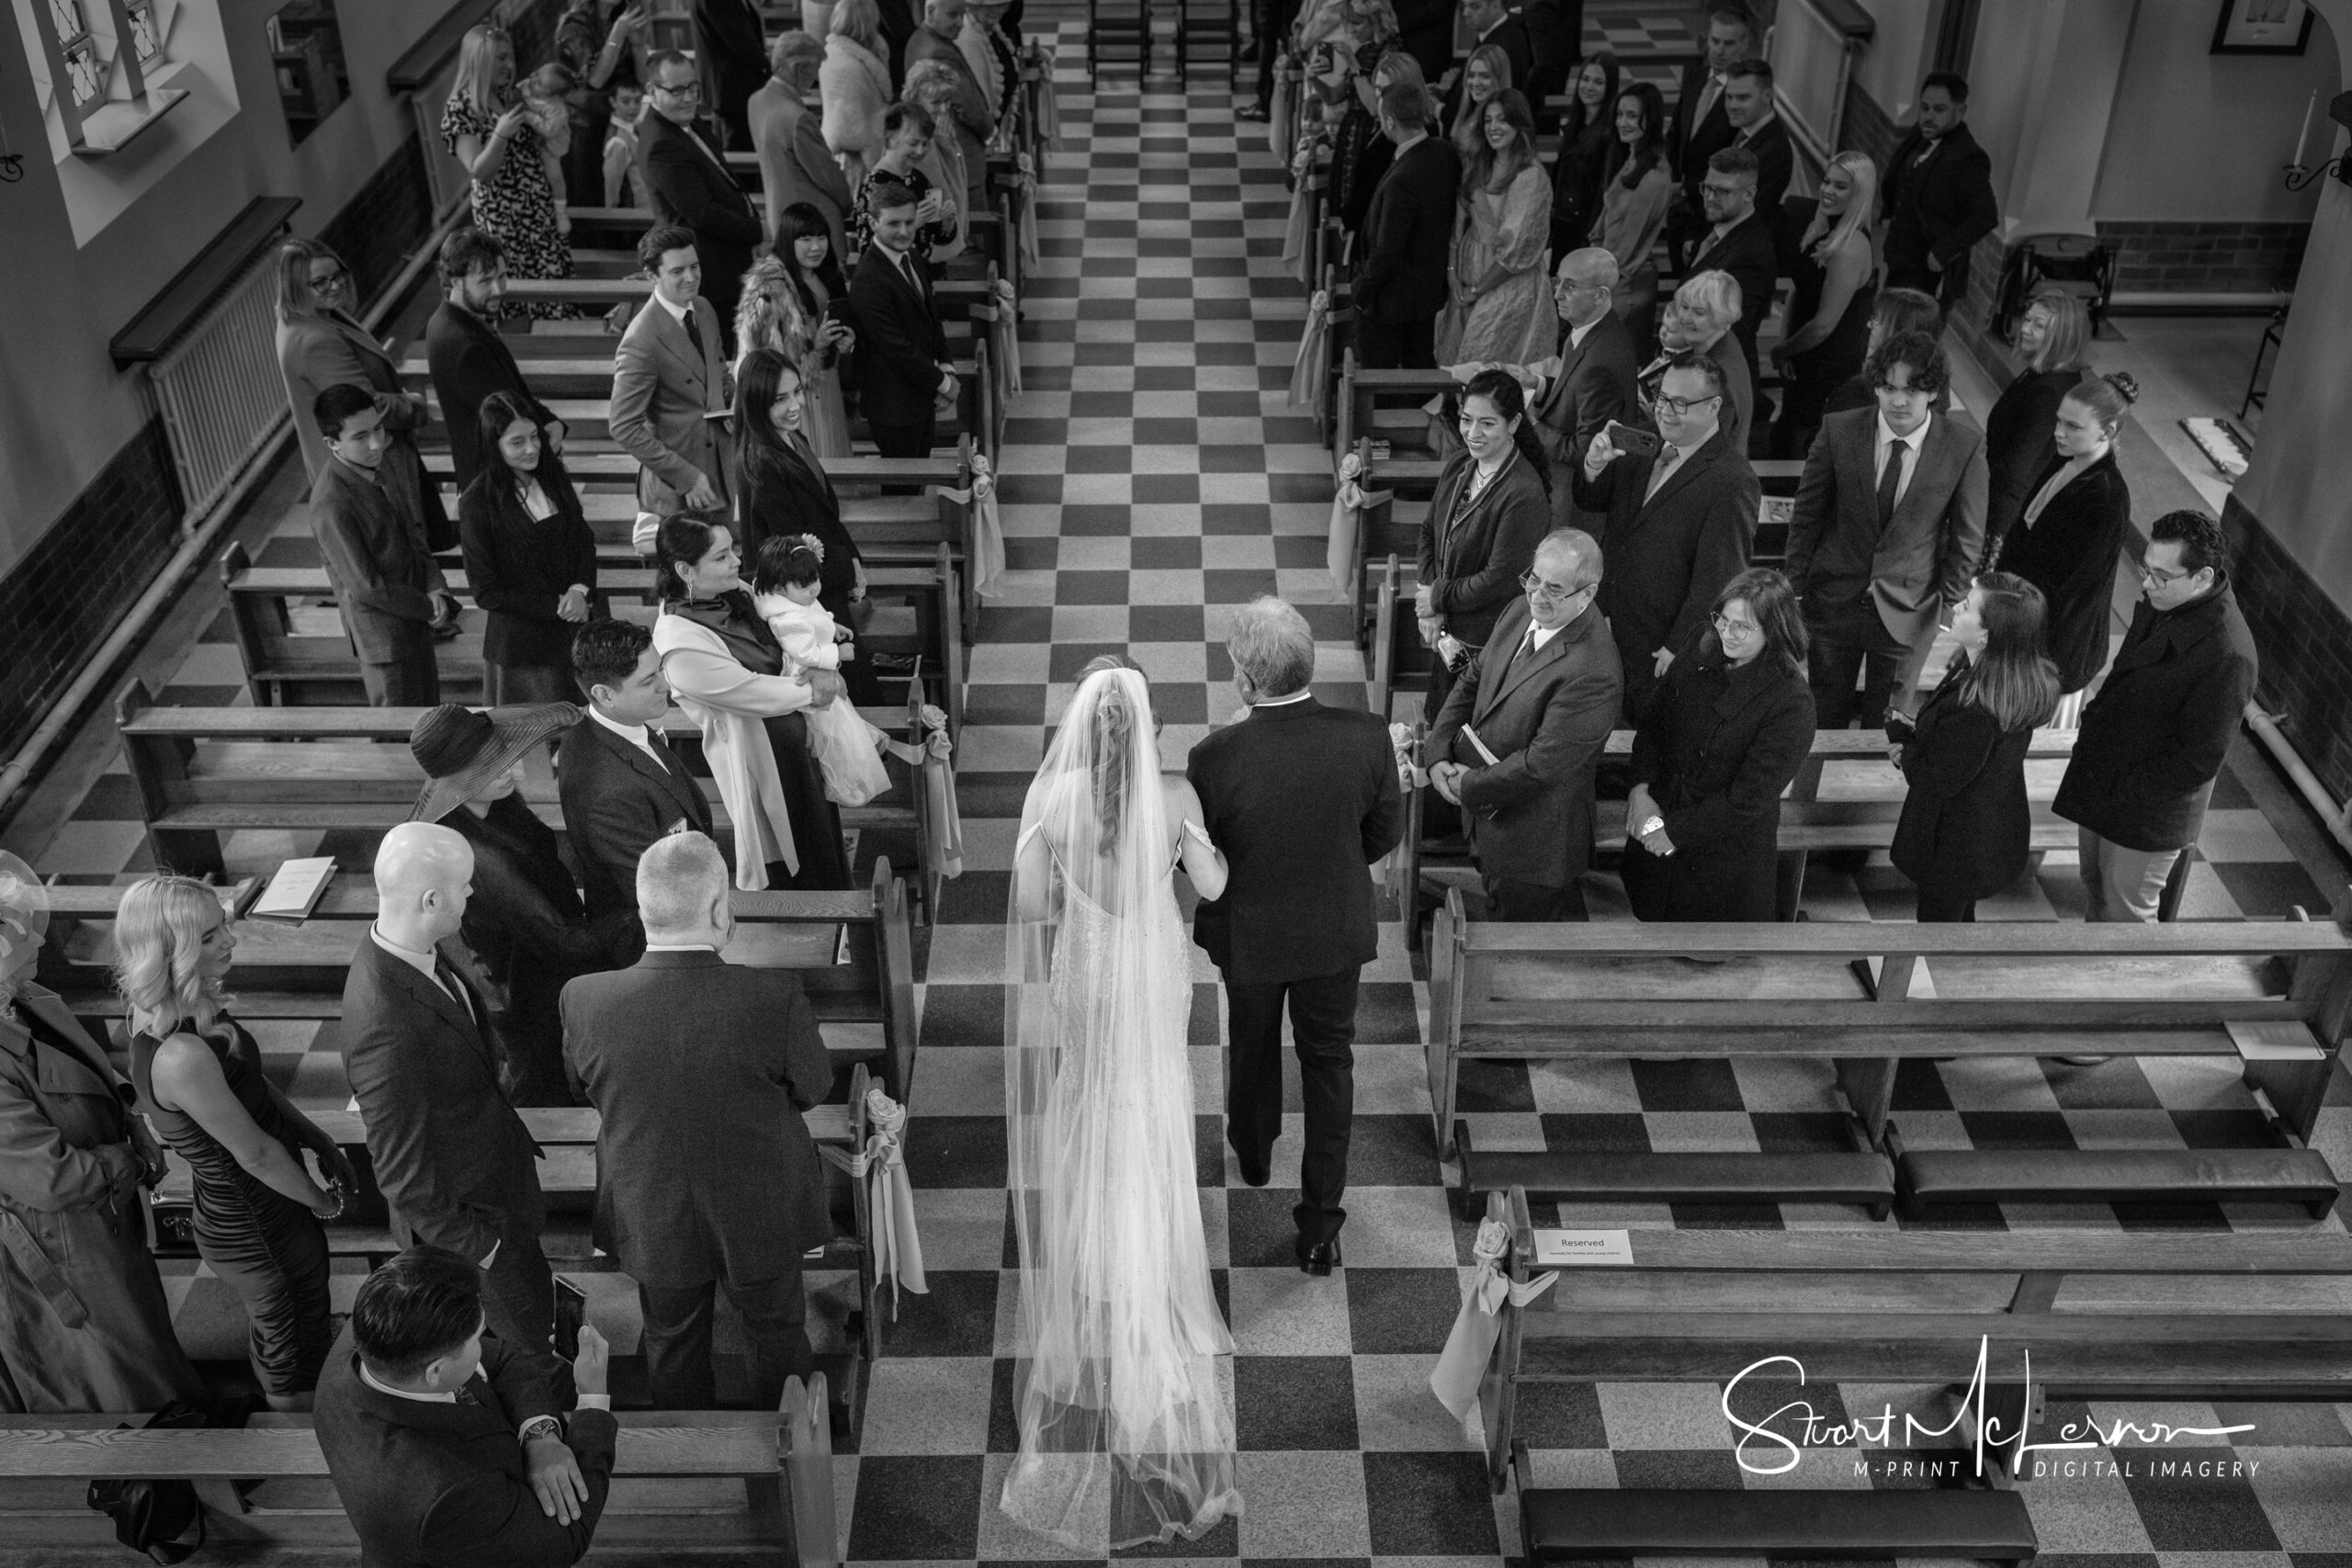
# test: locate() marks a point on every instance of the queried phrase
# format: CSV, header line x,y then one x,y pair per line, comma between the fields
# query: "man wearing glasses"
x,y
1680,524
1887,533
1521,733
2153,739
686,180
1597,366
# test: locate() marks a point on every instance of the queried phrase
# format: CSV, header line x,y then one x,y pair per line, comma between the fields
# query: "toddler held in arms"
x,y
546,94
784,582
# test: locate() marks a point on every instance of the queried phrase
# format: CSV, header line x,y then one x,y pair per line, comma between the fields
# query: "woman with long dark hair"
x,y
1966,831
1493,506
530,559
1501,306
1585,135
725,667
1633,199
1729,727
2069,537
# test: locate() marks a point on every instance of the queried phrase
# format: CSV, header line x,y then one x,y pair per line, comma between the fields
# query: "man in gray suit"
x,y
975,117
1521,733
701,1069
794,164
669,378
1887,533
1597,368
385,582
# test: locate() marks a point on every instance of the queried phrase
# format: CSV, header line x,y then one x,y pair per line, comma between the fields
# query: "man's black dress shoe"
x,y
1255,1175
1320,1260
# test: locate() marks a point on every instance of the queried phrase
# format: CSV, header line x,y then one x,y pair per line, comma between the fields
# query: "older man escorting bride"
x,y
1122,1421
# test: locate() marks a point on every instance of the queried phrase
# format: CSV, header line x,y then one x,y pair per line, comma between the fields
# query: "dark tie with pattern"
x,y
1888,482
693,331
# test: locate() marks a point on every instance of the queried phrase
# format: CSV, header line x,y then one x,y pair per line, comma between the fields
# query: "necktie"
x,y
693,331
1667,458
907,267
467,1396
456,987
1890,480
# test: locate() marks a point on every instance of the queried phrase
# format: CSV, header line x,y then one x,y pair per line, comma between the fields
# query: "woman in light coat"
x,y
854,86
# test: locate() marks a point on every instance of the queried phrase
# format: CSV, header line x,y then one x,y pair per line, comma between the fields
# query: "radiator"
x,y
219,389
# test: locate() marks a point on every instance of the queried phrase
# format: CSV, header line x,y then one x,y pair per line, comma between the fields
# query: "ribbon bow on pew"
x,y
1001,303
1040,69
988,564
1024,181
1347,522
1298,234
1391,872
1462,1365
1310,373
889,1197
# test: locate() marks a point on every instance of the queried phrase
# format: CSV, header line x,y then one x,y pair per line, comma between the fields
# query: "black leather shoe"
x,y
1255,1175
1320,1260
1250,112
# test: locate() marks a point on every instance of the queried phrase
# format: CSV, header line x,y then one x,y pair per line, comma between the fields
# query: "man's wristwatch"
x,y
539,1426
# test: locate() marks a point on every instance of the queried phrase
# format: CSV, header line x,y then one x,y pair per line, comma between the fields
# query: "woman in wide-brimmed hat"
x,y
524,920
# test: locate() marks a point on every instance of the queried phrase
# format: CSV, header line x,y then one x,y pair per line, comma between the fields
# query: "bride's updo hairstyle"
x,y
1115,724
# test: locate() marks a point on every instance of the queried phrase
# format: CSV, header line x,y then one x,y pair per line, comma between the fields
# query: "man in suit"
x,y
794,164
669,378
1938,196
452,1156
733,45
902,366
387,584
1678,526
468,358
1274,20
974,116
1400,281
1491,23
1886,535
687,183
701,1069
1302,799
1555,31
1755,126
1597,366
451,1448
1738,241
623,787
2153,740
1701,125
1424,30
899,20
1521,734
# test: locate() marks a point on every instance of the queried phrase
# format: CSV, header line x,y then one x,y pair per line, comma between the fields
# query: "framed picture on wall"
x,y
2262,27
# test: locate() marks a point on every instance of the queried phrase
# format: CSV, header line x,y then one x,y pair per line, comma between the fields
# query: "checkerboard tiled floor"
x,y
1153,478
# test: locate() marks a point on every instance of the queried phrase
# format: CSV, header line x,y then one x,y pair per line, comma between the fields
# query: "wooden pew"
x,y
732,1486
1356,418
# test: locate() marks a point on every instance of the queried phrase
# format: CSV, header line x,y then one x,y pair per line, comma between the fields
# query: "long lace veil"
x,y
1122,1422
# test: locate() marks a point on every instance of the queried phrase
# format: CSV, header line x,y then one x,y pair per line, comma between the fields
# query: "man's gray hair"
x,y
793,50
1272,644
678,878
1579,550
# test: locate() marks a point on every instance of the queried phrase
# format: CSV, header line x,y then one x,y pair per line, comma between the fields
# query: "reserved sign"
x,y
1599,1249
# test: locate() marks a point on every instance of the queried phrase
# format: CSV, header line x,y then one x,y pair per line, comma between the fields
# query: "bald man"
x,y
455,1163
1597,368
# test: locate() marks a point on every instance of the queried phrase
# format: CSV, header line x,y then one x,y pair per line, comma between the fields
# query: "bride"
x,y
1122,1421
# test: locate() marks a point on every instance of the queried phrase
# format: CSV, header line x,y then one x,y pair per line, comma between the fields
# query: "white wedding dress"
x,y
1123,1423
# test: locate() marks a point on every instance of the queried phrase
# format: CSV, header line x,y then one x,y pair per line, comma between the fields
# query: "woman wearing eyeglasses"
x,y
1967,829
1730,726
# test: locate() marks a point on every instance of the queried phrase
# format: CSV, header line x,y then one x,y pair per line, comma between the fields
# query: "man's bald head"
x,y
1582,288
423,873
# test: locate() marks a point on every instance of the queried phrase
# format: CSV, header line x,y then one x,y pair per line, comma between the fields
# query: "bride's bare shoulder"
x,y
1178,791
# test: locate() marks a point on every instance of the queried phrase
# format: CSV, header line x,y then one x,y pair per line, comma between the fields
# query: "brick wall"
x,y
82,578
384,221
1865,127
2205,257
2306,645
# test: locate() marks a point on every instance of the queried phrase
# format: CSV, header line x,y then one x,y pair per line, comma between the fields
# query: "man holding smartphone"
x,y
1680,504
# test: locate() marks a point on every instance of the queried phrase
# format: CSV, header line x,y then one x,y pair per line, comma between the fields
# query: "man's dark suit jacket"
x,y
900,21
1749,255
1776,163
453,1158
1425,31
701,1069
383,579
1408,235
1546,715
1303,799
899,344
434,1485
1691,145
1595,384
732,46
1474,561
617,801
1511,36
2154,738
470,360
1667,558
1940,207
1917,563
686,182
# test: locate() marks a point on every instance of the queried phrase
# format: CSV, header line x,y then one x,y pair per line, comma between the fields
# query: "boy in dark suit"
x,y
468,358
447,1444
386,581
1302,799
1400,283
902,365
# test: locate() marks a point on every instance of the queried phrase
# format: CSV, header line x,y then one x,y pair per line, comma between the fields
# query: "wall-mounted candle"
x,y
2304,140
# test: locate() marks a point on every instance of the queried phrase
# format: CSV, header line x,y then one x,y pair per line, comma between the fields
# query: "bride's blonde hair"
x,y
1115,722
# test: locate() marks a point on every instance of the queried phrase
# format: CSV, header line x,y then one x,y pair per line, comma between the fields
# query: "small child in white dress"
x,y
783,590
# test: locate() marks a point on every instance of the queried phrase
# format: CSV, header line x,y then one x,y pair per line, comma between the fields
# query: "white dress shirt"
x,y
635,734
1910,445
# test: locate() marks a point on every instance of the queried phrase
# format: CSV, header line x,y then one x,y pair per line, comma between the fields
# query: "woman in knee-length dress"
x,y
485,127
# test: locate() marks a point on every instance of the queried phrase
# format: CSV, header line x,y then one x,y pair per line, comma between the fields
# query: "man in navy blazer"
x,y
451,1448
1887,533
670,379
686,182
468,358
902,366
1408,234
455,1162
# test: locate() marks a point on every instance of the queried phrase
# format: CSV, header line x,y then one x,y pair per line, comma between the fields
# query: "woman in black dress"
x,y
200,1086
725,667
2068,538
1832,299
2054,335
1730,726
530,559
1967,829
1586,131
